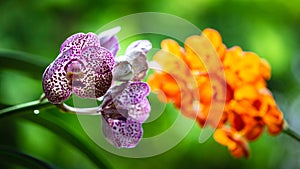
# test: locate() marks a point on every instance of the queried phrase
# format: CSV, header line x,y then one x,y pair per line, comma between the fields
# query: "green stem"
x,y
292,133
37,105
23,108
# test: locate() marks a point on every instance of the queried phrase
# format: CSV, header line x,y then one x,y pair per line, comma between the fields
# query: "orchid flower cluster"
x,y
87,66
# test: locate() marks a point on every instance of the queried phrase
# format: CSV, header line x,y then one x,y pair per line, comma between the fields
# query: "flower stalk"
x,y
290,132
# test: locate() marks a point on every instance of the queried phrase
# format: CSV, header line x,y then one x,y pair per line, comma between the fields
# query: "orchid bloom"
x,y
83,67
87,67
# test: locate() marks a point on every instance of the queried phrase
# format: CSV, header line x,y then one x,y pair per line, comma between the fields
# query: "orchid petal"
x,y
122,71
109,40
139,64
79,41
143,45
56,87
122,133
96,74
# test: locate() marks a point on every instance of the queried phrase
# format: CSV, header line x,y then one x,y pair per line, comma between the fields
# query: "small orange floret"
x,y
172,47
236,144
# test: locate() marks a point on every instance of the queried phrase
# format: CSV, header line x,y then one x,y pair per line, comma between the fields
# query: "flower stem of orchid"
x,y
21,108
36,105
82,111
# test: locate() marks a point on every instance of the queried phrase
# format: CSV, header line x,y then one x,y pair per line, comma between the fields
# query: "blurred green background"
x,y
269,28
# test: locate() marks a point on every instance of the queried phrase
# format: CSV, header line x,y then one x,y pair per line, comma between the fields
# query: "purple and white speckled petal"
x,y
79,41
55,84
89,75
131,97
134,93
140,111
122,133
96,77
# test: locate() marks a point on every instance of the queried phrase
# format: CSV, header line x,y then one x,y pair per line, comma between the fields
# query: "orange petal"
x,y
274,121
254,127
231,79
248,67
189,107
169,86
246,92
214,36
193,60
221,51
236,144
243,107
236,121
265,69
204,88
232,57
224,137
171,46
153,81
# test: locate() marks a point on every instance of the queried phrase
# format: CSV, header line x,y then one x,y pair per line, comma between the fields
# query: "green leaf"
x,y
32,65
57,126
54,124
17,157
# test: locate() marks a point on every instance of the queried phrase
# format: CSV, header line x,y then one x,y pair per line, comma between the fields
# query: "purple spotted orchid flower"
x,y
87,66
125,106
83,67
124,109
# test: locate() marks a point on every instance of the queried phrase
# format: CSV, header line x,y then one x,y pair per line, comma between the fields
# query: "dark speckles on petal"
x,y
122,133
97,74
56,87
79,41
82,67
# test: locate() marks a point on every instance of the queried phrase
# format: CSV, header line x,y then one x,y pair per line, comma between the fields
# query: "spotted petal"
x,y
96,74
79,41
88,75
140,111
122,133
134,93
55,84
128,100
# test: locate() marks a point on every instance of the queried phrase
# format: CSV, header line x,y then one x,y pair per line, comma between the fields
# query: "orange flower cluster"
x,y
248,105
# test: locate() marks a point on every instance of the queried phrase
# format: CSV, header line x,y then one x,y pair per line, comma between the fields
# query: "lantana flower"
x,y
249,105
87,66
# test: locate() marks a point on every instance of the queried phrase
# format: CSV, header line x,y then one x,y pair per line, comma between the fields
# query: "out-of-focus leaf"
x,y
14,156
58,127
30,64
